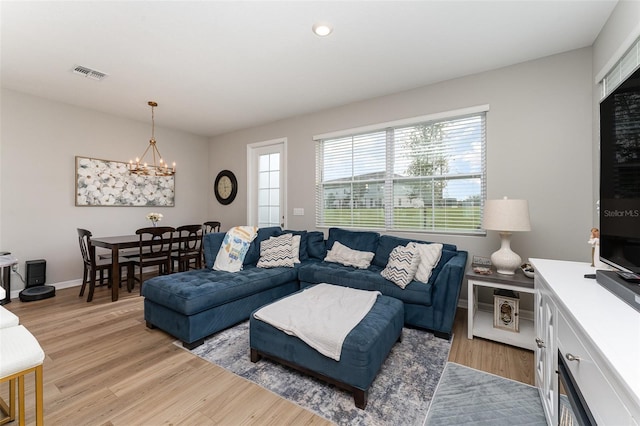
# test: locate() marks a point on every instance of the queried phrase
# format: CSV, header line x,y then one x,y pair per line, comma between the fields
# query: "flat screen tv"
x,y
620,176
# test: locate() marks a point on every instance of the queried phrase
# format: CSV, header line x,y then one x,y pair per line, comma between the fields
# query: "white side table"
x,y
480,322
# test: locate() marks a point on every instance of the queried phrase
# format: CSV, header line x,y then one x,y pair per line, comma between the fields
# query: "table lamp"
x,y
506,216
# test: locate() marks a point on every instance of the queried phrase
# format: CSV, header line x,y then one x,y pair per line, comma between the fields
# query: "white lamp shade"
x,y
506,215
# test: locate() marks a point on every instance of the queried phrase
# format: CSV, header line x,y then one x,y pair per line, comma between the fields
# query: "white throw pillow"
x,y
344,255
295,248
234,248
276,251
403,264
429,258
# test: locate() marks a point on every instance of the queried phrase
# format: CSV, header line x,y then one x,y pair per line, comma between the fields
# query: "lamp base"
x,y
505,260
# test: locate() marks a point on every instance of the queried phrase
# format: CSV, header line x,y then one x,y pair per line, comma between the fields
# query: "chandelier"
x,y
161,169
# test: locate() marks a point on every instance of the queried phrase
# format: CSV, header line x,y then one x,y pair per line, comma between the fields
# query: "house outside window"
x,y
426,174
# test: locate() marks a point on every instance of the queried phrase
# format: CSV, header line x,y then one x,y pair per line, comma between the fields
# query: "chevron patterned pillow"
x,y
276,251
403,264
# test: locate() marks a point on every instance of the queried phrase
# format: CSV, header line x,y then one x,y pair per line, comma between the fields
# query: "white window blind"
x,y
427,176
622,69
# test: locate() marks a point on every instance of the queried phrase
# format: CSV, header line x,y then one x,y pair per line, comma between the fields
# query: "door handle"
x,y
572,357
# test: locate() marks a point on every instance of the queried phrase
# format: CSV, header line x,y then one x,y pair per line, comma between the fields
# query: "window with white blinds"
x,y
422,176
629,62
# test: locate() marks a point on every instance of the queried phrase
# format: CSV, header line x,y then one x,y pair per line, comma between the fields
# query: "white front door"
x,y
266,166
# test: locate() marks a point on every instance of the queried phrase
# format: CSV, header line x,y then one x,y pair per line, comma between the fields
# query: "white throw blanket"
x,y
321,316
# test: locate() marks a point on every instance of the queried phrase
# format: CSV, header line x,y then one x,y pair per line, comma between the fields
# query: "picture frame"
x,y
107,183
506,306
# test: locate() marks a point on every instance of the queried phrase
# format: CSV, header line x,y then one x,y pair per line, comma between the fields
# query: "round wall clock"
x,y
225,187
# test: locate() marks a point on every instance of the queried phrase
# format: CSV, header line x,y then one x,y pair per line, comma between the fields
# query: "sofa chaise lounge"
x,y
195,304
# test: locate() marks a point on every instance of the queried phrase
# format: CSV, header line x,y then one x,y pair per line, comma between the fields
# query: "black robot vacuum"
x,y
34,282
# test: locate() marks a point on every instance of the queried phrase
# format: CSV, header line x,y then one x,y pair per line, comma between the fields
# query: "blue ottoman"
x,y
363,352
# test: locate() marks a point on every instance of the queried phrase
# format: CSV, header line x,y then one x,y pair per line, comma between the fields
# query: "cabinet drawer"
x,y
603,401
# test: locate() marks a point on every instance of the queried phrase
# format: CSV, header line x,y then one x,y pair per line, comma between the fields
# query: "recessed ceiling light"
x,y
322,29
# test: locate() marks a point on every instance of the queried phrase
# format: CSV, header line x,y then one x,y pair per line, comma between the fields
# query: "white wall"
x,y
39,142
539,147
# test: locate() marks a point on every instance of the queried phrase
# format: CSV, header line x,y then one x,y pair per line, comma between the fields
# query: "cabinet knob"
x,y
572,357
540,342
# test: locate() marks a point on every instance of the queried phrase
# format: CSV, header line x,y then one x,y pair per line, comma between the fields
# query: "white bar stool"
x,y
8,318
20,354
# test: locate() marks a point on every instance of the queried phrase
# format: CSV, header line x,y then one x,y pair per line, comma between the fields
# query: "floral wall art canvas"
x,y
109,183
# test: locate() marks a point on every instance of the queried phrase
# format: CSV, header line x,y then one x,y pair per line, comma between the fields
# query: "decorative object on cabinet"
x,y
161,169
527,270
506,216
506,306
482,270
109,183
225,187
481,261
594,240
481,265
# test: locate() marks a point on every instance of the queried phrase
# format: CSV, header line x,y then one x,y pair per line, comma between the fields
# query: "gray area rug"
x,y
468,396
400,394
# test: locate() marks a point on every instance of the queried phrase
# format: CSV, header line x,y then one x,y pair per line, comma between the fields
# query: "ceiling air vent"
x,y
89,73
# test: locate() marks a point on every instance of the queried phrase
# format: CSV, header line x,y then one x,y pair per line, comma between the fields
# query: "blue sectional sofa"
x,y
195,304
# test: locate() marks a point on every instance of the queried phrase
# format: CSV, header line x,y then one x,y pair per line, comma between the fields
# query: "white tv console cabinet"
x,y
578,316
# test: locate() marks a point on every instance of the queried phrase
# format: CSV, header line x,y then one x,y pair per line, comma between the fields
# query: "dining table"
x,y
115,244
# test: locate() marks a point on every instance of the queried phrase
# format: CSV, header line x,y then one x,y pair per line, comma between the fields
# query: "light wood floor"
x,y
103,366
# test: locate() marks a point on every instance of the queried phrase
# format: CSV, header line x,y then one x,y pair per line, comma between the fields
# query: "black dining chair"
x,y
189,253
207,228
94,266
155,247
211,226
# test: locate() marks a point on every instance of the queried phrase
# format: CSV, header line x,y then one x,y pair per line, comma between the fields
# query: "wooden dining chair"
x,y
211,226
94,266
155,247
189,253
